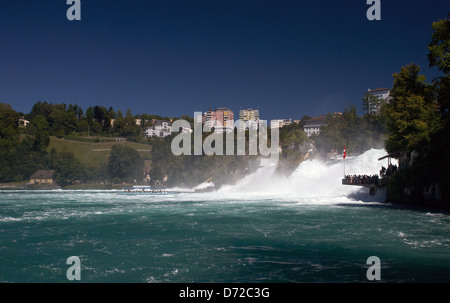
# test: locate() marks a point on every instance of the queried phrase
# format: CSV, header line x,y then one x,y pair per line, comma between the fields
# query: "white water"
x,y
314,178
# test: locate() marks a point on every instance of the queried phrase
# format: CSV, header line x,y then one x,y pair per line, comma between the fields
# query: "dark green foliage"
x,y
125,164
126,127
8,122
418,125
358,134
68,169
439,49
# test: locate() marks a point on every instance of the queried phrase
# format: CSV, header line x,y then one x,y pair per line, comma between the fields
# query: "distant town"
x,y
223,119
67,128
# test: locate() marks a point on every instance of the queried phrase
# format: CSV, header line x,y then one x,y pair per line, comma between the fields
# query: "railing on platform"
x,y
361,180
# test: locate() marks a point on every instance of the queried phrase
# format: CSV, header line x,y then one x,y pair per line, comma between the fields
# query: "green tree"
x,y
410,82
70,122
125,163
9,120
39,129
67,168
411,116
439,47
57,121
77,110
126,127
40,108
439,56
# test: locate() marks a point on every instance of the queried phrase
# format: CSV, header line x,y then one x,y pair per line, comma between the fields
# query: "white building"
x,y
383,94
160,129
278,123
313,125
23,122
249,119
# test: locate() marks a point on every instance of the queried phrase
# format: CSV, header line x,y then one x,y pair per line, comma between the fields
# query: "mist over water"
x,y
313,178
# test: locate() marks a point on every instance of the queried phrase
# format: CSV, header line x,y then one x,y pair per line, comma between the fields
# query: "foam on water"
x,y
312,179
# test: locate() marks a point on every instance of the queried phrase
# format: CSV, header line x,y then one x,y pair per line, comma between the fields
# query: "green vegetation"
x,y
294,147
419,130
356,133
411,116
94,151
124,163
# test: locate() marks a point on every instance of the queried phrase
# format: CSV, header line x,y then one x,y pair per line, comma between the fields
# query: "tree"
x,y
78,111
9,120
409,82
56,120
67,168
40,108
411,116
39,129
70,122
439,49
125,163
102,116
126,127
358,134
112,114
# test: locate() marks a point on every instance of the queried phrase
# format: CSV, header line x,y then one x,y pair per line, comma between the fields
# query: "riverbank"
x,y
92,186
26,185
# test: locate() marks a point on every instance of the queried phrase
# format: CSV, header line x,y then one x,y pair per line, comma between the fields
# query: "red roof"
x,y
379,89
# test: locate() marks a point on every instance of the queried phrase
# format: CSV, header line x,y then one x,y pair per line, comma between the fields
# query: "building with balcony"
x,y
313,125
383,94
159,129
221,119
249,119
279,123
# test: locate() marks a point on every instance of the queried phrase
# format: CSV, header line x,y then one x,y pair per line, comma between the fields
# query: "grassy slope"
x,y
94,152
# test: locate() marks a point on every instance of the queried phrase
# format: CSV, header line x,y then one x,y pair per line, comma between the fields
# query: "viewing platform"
x,y
372,182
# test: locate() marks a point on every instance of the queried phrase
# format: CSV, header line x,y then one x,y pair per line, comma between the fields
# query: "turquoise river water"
x,y
303,228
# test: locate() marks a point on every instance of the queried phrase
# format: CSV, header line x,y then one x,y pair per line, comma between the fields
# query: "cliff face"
x,y
425,175
403,191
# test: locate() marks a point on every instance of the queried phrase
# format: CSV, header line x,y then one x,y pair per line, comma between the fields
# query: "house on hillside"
x,y
382,94
42,177
279,123
160,129
23,122
313,125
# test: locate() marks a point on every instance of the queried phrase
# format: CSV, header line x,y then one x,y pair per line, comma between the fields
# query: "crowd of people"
x,y
388,171
361,179
370,179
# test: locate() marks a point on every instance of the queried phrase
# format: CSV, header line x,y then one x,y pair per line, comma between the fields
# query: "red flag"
x,y
345,153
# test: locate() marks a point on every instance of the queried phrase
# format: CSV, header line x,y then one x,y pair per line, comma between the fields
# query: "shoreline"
x,y
96,186
27,186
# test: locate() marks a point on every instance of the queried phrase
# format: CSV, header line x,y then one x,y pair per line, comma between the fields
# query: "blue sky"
x,y
286,58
